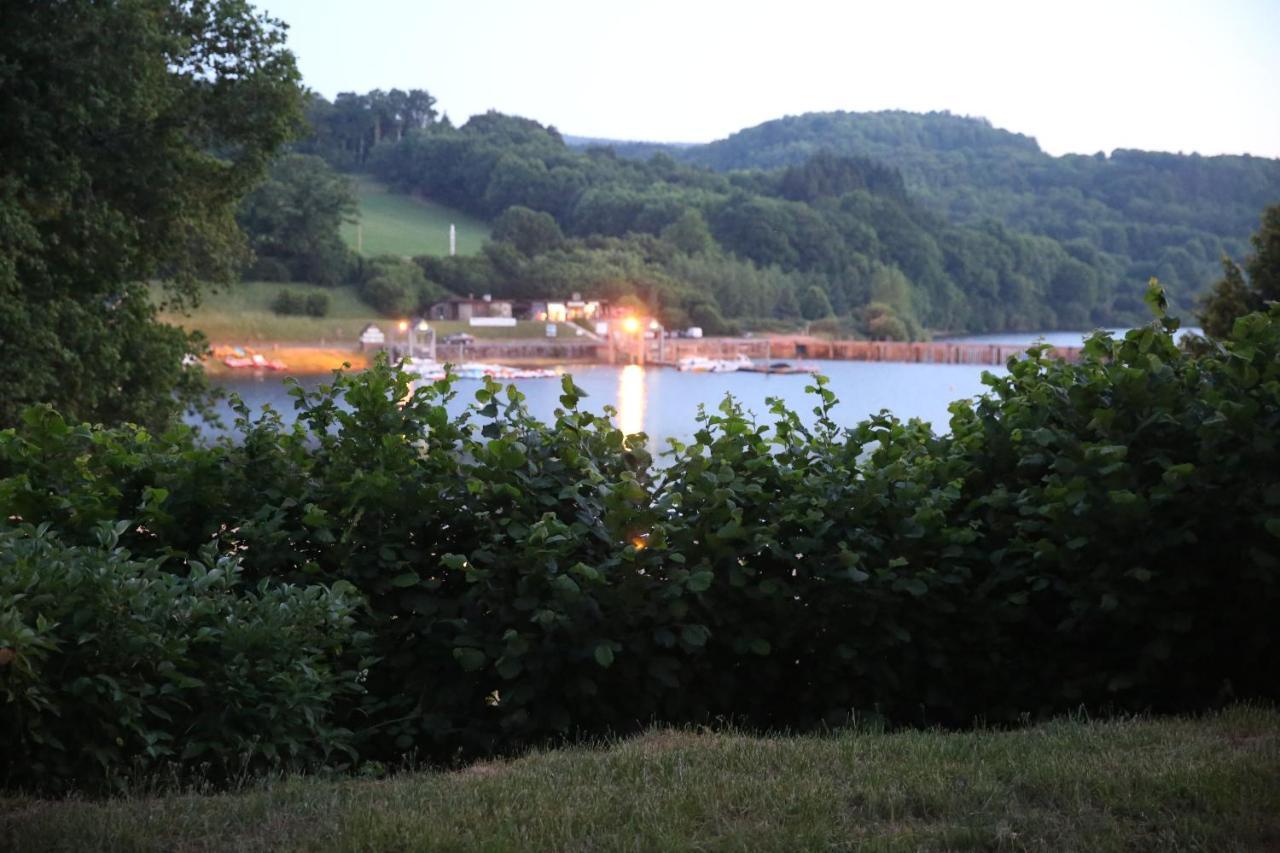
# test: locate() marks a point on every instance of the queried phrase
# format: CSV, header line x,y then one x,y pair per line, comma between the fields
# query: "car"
x,y
459,338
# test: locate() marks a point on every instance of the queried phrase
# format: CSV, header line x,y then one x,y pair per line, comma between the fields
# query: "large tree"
x,y
130,130
293,219
1233,296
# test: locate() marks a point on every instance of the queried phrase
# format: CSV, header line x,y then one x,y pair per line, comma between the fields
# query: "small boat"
x,y
253,362
474,370
424,368
263,363
781,367
702,364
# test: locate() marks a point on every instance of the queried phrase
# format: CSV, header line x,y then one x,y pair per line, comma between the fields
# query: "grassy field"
x,y
396,224
242,316
1208,784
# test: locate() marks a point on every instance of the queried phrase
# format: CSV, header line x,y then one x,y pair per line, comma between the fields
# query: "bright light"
x,y
631,325
404,325
423,327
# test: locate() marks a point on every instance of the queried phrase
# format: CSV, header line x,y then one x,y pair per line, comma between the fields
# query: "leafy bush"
x,y
288,303
316,305
119,666
1100,534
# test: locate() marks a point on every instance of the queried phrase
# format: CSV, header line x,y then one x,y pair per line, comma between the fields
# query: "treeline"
x,y
383,580
1148,213
843,225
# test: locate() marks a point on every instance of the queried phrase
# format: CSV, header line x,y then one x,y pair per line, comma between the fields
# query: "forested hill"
x,y
1167,215
887,224
831,236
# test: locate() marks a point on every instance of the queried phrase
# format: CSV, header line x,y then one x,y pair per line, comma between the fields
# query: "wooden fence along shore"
x,y
671,350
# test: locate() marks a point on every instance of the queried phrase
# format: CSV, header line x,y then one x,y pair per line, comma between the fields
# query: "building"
x,y
465,309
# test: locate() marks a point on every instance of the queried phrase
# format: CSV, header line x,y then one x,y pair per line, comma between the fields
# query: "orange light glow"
x,y
404,325
639,543
631,325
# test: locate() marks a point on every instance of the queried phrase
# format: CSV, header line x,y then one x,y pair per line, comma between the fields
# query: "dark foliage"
x,y
1100,535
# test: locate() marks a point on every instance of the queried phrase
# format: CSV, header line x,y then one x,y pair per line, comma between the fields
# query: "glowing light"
x,y
631,399
639,543
631,325
404,325
423,326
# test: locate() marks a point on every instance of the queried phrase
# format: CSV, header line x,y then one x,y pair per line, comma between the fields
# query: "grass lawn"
x,y
1175,784
397,224
242,315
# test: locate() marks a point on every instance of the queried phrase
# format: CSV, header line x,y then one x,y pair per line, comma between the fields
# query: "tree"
x,y
814,304
689,233
1231,297
130,133
532,232
294,217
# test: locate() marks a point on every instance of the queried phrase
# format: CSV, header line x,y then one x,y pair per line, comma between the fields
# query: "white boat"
x,y
701,364
475,370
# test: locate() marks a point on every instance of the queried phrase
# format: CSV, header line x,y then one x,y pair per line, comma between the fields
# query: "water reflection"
x,y
631,399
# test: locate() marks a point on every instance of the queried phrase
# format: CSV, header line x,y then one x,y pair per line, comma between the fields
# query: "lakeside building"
x,y
536,310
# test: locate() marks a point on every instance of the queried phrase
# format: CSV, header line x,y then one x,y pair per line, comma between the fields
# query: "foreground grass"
x,y
397,224
242,315
1208,784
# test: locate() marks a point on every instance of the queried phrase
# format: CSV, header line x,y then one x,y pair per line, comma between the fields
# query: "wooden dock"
x,y
766,349
804,348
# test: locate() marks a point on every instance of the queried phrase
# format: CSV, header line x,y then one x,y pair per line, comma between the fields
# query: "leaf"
x,y
760,647
469,659
700,581
405,579
694,635
604,655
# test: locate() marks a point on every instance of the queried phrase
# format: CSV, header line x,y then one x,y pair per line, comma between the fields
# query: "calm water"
x,y
663,402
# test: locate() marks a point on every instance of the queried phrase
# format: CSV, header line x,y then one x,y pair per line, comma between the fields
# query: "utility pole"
x,y
453,240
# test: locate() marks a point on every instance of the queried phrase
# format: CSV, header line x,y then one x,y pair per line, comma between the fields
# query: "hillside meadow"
x,y
405,225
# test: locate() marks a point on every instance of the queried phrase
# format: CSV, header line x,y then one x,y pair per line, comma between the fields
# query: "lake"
x,y
663,402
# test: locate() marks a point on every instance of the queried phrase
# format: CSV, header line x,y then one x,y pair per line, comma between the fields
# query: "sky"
x,y
1081,76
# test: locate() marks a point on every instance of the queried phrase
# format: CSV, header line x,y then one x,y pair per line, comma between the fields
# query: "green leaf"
x,y
694,635
469,659
700,581
760,647
405,579
604,655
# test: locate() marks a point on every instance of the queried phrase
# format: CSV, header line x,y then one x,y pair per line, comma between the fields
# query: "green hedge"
x,y
123,669
1100,535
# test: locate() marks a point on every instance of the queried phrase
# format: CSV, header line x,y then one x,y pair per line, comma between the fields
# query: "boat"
x,y
431,370
702,364
240,360
781,367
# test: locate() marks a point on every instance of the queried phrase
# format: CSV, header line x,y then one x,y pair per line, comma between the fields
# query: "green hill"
x,y
396,224
1167,215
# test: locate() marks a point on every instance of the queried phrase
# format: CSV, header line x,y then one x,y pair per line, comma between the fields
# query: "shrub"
x,y
287,303
317,305
1099,534
120,666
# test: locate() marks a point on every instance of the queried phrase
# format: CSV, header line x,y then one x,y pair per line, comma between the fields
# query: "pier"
x,y
669,351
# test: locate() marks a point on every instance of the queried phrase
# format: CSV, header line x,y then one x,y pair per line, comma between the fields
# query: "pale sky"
x,y
1081,76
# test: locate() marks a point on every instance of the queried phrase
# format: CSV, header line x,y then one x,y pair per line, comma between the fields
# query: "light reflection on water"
x,y
631,399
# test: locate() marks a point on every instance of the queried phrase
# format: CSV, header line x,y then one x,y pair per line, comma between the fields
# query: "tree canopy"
x,y
131,131
1244,290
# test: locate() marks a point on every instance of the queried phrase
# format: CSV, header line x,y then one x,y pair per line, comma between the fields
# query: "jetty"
x,y
669,351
